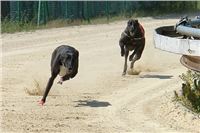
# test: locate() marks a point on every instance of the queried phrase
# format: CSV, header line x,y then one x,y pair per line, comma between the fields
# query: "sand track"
x,y
98,99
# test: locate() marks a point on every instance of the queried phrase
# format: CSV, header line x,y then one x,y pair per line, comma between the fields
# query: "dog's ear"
x,y
136,21
77,53
129,21
55,60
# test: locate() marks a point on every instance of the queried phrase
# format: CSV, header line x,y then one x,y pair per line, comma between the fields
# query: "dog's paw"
x,y
130,58
59,82
41,102
124,73
122,54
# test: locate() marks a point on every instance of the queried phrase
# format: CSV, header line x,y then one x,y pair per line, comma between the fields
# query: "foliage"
x,y
9,26
190,96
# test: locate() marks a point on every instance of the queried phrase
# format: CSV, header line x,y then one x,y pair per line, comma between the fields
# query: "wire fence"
x,y
41,12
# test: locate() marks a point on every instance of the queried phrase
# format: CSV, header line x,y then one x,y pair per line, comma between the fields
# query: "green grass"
x,y
12,26
8,26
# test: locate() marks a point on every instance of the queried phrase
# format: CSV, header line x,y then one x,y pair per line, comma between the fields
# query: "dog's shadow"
x,y
157,76
92,103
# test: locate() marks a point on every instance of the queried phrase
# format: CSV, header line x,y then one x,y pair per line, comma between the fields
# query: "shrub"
x,y
190,96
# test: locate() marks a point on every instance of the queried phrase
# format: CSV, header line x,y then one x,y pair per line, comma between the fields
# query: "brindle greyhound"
x,y
64,62
132,39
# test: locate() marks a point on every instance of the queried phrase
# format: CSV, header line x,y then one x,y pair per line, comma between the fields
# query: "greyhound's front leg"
x,y
132,55
135,58
125,63
48,87
121,44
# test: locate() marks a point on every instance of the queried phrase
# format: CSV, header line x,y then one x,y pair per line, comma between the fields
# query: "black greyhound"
x,y
132,39
64,62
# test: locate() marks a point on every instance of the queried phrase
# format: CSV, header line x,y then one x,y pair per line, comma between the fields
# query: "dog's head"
x,y
132,26
67,59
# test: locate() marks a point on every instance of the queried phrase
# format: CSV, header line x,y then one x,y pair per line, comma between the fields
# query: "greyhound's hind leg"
x,y
64,78
125,63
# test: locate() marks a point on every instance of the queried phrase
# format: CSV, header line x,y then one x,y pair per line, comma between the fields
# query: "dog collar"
x,y
139,38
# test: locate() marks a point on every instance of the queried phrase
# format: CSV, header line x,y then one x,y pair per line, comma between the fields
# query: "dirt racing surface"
x,y
98,99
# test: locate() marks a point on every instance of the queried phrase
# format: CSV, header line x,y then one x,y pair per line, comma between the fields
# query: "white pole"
x,y
38,18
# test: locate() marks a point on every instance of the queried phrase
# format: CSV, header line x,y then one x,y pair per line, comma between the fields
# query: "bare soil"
x,y
98,99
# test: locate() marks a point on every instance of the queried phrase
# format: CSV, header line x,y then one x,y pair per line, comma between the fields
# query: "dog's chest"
x,y
131,45
63,71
